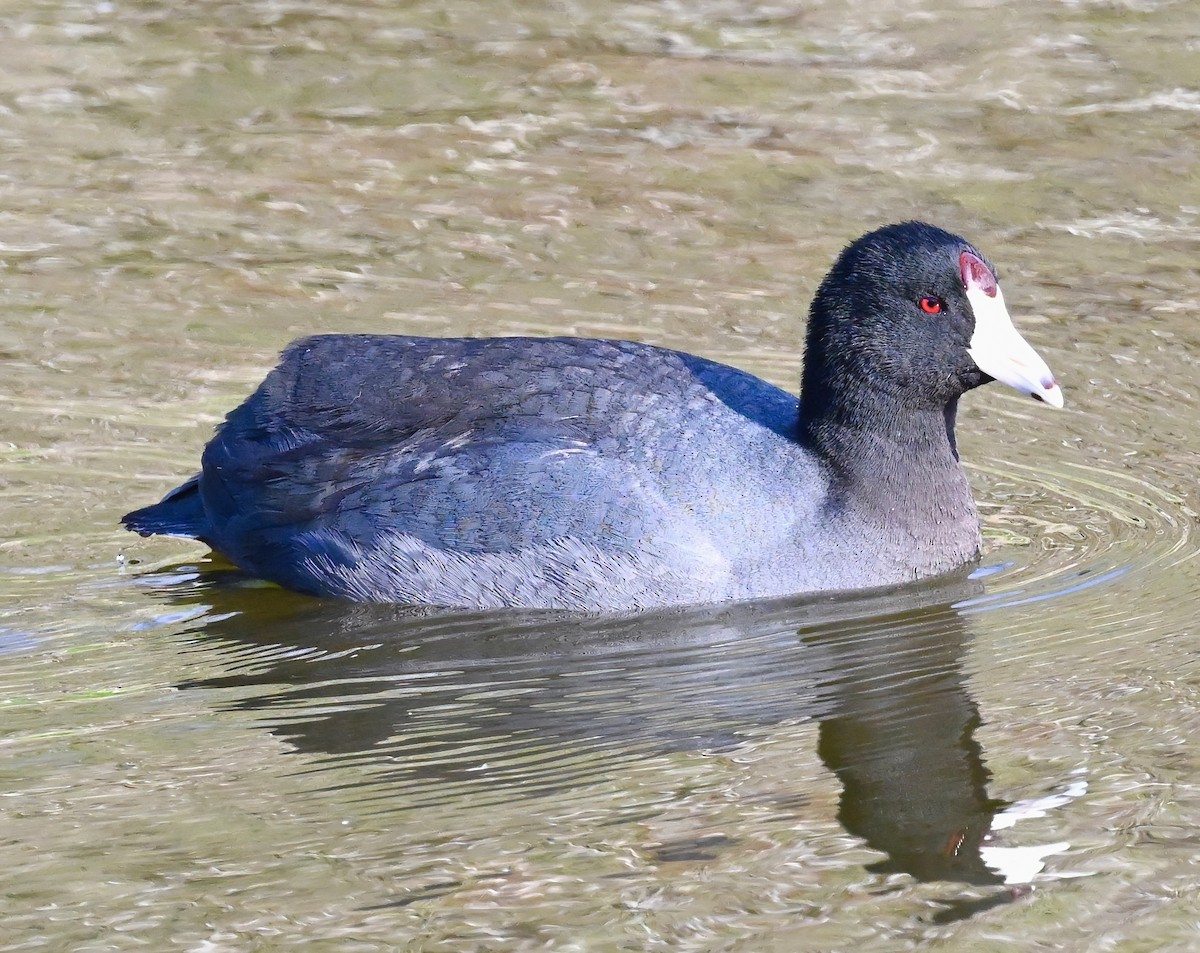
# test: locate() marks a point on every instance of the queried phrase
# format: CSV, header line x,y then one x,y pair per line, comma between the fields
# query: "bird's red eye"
x,y
931,305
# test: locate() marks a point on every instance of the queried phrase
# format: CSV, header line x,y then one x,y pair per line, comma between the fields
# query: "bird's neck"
x,y
900,461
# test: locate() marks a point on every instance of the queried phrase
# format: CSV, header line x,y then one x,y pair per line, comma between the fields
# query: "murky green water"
x,y
193,765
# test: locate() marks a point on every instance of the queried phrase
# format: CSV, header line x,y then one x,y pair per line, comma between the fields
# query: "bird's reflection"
x,y
900,736
503,696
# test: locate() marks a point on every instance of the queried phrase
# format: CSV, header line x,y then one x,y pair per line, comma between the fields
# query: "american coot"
x,y
604,475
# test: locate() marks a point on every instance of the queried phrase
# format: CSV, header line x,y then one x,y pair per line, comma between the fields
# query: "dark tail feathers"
x,y
179,513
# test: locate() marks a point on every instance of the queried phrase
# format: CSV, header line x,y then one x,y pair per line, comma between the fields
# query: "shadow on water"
x,y
505,705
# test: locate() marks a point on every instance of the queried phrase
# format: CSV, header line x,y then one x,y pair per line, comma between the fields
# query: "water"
x,y
193,763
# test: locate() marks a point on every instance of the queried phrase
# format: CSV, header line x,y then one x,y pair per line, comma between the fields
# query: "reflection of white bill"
x,y
1021,864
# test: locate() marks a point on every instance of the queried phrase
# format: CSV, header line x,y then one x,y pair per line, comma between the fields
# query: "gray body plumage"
x,y
583,474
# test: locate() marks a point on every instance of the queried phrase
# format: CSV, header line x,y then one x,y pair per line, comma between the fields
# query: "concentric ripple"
x,y
1048,534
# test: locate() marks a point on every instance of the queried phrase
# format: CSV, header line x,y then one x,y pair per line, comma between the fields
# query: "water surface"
x,y
196,763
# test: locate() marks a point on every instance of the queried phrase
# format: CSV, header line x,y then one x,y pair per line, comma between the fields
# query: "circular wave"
x,y
1048,534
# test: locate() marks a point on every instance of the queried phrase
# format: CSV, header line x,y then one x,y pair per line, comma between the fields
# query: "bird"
x,y
600,476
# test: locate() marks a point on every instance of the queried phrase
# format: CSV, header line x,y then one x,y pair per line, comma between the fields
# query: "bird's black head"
x,y
910,317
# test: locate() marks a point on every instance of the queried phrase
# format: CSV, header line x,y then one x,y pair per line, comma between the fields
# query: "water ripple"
x,y
1080,526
